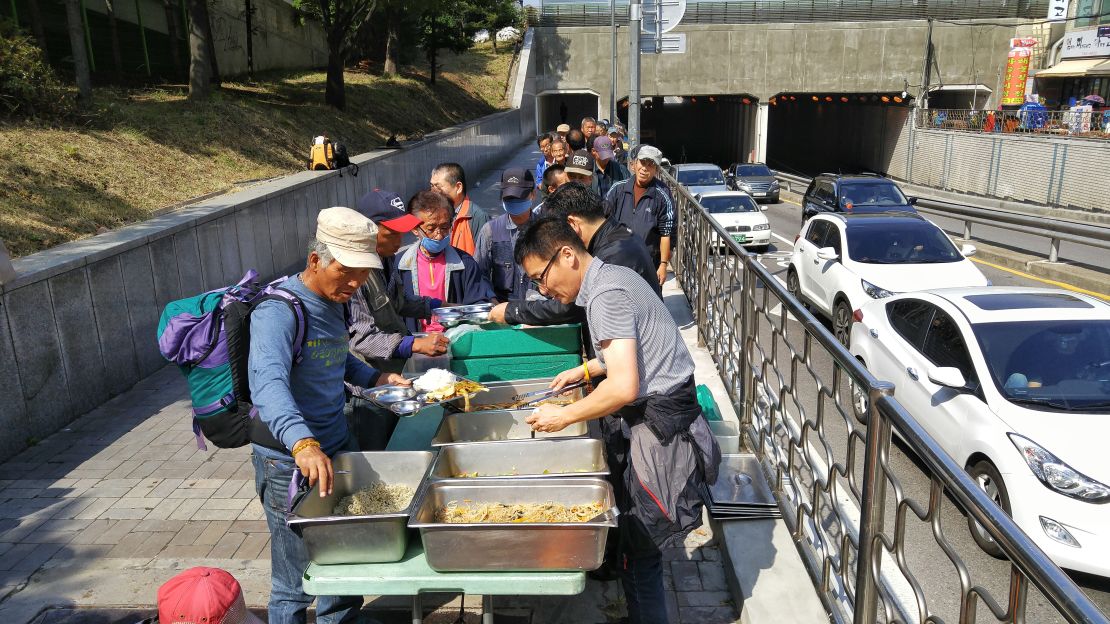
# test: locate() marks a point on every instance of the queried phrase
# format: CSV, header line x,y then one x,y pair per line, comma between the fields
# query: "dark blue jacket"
x,y
465,284
651,219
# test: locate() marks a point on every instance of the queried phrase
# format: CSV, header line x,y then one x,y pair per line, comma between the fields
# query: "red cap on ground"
x,y
203,596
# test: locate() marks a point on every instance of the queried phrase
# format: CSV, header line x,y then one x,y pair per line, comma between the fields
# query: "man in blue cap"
x,y
494,247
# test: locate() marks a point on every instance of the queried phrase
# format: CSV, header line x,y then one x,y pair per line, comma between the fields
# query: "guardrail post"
x,y
747,328
1054,250
967,230
702,272
872,507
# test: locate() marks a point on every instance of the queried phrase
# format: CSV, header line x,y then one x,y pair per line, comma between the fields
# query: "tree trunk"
x,y
200,61
392,41
113,33
80,55
173,25
36,25
432,66
334,92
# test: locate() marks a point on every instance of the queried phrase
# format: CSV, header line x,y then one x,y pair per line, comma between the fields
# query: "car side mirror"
x,y
948,377
911,200
827,253
763,208
968,250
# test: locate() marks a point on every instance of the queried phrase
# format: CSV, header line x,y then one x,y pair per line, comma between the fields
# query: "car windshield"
x,y
871,193
1050,365
700,177
751,171
881,241
729,203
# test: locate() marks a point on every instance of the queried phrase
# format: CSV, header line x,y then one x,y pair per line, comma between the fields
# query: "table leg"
x,y
487,609
417,610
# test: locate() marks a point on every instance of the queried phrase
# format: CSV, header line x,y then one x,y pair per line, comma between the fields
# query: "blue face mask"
x,y
517,207
435,246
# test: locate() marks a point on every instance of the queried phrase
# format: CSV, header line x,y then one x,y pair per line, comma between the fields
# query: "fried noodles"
x,y
455,513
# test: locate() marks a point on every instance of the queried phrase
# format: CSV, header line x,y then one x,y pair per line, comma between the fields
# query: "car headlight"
x,y
775,184
761,227
874,291
1058,476
745,186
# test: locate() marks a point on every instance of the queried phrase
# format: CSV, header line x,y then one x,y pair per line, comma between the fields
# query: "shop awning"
x,y
1077,67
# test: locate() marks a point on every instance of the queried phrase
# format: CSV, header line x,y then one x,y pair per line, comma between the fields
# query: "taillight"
x,y
796,237
857,316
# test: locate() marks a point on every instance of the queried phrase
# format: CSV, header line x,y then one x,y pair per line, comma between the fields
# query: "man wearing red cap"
x,y
208,595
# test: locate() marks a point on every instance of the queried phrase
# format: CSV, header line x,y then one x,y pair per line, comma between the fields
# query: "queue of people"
x,y
580,238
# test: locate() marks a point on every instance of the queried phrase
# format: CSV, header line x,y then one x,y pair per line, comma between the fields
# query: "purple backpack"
x,y
208,337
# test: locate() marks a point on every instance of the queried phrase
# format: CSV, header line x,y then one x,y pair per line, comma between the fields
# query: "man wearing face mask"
x,y
495,241
433,272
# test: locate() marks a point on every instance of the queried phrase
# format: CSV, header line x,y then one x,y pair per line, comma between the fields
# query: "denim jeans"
x,y
289,558
642,574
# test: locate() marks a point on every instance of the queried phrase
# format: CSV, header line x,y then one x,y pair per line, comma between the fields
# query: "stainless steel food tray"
x,y
360,539
495,426
499,392
517,546
402,403
547,459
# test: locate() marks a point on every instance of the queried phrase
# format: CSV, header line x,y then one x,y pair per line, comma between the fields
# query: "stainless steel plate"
x,y
553,458
390,394
495,426
476,308
503,392
407,408
517,546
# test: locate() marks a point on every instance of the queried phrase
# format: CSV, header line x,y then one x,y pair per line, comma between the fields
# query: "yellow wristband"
x,y
586,369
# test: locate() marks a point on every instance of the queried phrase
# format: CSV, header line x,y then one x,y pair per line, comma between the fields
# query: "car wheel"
x,y
793,286
860,400
842,322
987,478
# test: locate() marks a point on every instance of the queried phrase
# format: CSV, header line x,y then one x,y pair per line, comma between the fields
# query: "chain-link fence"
x,y
822,427
775,11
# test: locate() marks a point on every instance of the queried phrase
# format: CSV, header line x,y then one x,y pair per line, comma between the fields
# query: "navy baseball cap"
x,y
517,183
388,209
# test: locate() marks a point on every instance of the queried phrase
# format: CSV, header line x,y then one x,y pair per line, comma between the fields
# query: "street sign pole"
x,y
635,20
613,81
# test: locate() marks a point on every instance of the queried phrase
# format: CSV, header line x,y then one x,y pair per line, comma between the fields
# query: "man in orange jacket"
x,y
449,179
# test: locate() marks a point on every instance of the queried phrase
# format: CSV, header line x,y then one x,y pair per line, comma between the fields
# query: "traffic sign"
x,y
668,13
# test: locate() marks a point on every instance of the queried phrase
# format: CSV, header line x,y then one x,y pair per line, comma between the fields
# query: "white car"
x,y
842,261
740,216
700,177
1014,383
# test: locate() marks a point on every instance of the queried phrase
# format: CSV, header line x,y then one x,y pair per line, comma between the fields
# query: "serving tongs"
x,y
538,396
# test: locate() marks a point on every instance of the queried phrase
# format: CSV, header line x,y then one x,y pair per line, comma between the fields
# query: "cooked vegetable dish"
x,y
376,499
470,513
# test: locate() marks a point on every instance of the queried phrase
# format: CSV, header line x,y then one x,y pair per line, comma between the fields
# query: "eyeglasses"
x,y
539,281
442,230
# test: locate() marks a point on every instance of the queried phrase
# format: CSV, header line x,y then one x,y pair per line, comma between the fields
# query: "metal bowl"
x,y
406,408
477,317
452,311
391,394
473,309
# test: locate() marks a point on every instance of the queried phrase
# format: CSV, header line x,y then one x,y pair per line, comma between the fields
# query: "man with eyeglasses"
x,y
644,204
496,240
660,449
431,271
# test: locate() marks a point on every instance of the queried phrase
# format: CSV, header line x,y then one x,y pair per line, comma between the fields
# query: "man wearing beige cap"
x,y
301,400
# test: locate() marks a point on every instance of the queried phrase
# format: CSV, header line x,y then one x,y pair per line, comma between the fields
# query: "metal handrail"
x,y
1056,230
697,234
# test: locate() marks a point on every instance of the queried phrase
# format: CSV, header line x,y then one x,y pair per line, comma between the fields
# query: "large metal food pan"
x,y
515,547
360,539
500,392
495,426
578,457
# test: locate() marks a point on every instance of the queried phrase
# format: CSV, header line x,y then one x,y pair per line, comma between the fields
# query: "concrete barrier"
x,y
78,321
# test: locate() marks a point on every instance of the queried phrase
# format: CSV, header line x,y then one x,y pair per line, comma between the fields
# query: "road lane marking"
x,y
787,241
1063,285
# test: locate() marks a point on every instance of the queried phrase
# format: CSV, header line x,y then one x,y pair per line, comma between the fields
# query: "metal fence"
x,y
822,425
1083,124
774,11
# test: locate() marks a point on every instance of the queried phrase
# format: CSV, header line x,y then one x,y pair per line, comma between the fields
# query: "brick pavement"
x,y
105,510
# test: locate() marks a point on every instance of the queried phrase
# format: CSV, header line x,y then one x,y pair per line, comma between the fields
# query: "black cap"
x,y
517,183
580,162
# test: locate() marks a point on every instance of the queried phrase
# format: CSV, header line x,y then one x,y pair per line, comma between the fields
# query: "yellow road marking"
x,y
1063,285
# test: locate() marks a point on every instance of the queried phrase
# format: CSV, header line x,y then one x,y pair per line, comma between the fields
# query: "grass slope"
x,y
141,150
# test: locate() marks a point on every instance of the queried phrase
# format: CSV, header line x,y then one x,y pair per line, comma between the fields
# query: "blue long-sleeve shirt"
x,y
304,400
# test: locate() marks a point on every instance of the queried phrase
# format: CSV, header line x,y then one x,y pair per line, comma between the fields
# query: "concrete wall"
x,y
78,322
765,59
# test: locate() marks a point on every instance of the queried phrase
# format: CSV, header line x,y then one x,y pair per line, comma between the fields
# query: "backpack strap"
x,y
300,329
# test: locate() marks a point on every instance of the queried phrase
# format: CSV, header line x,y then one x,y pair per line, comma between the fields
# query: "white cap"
x,y
350,237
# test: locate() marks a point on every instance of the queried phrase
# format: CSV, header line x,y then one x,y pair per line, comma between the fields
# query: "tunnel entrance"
x,y
569,108
811,133
718,128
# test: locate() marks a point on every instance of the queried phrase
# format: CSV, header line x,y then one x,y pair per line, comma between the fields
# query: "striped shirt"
x,y
619,304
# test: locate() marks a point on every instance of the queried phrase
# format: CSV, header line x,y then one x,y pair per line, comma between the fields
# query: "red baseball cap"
x,y
203,596
388,209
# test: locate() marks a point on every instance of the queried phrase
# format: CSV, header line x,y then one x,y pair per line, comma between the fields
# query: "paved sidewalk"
x,y
100,514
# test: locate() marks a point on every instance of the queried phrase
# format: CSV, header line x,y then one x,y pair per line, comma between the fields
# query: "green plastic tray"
x,y
708,404
514,367
504,341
